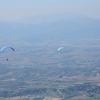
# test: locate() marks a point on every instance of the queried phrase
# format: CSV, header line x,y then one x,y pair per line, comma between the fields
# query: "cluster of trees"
x,y
87,89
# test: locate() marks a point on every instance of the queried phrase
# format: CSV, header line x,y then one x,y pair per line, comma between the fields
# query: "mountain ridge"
x,y
57,29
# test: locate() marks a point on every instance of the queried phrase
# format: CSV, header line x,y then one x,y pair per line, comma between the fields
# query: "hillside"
x,y
51,28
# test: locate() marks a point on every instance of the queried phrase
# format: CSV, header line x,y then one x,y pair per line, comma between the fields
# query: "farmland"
x,y
38,71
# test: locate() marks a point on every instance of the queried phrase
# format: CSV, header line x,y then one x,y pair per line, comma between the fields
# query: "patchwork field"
x,y
38,71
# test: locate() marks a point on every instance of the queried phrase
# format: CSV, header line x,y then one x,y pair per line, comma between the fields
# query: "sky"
x,y
11,10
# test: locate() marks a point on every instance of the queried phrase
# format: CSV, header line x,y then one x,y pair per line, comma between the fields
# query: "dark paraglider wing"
x,y
6,48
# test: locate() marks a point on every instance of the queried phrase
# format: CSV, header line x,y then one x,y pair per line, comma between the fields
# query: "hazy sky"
x,y
16,9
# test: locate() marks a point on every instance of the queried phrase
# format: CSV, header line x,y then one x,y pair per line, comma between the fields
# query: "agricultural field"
x,y
38,71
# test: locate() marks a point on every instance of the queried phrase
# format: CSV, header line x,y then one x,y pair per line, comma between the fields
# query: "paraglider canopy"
x,y
60,48
6,48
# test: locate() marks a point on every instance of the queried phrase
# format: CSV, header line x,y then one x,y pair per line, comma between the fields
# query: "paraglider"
x,y
59,49
2,49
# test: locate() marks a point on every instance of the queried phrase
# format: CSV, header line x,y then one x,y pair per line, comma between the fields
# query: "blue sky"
x,y
17,9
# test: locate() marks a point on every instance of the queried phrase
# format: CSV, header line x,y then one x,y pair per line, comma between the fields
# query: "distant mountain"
x,y
51,18
52,27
